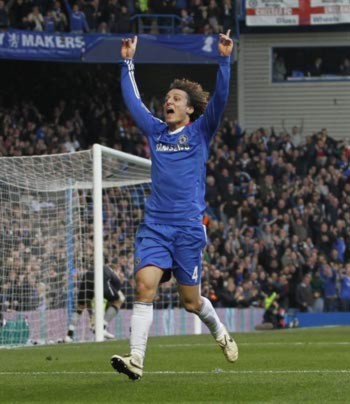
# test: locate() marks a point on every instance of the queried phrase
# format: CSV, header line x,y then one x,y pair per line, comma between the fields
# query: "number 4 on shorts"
x,y
195,273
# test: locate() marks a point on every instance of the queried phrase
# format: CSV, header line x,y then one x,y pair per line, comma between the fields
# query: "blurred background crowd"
x,y
278,202
118,16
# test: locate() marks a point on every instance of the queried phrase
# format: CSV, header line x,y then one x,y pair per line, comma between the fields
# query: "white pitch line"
x,y
328,343
189,372
257,372
188,345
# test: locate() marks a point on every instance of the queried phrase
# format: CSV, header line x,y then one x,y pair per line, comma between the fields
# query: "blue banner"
x,y
41,46
104,48
202,45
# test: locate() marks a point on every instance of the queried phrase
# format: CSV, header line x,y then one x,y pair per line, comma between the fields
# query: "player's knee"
x,y
145,292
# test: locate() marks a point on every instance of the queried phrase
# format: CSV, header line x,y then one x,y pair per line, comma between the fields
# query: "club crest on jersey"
x,y
183,140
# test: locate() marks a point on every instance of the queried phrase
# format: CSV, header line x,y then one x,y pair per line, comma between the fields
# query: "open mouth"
x,y
170,111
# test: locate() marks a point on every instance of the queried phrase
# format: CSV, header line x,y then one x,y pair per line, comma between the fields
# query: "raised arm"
x,y
216,106
141,115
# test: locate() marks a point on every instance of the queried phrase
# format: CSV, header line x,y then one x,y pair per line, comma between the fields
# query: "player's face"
x,y
176,109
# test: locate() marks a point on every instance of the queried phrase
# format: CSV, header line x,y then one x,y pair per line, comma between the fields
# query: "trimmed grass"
x,y
289,366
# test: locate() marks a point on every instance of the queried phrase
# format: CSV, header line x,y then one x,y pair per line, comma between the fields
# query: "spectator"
x,y
228,15
103,28
144,5
329,276
345,289
214,16
78,23
49,22
324,239
123,21
304,294
4,18
227,297
112,25
272,316
168,7
18,11
230,203
186,23
61,23
93,14
317,284
316,69
36,18
344,68
26,24
279,68
199,20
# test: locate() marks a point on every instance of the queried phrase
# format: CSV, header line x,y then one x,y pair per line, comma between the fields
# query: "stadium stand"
x,y
277,203
113,16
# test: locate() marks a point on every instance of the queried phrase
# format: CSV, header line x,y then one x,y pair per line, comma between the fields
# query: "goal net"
x,y
62,215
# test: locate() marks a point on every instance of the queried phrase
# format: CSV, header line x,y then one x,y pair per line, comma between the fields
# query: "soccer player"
x,y
172,236
111,293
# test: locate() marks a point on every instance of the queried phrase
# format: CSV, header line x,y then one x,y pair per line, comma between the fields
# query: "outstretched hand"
x,y
128,48
225,44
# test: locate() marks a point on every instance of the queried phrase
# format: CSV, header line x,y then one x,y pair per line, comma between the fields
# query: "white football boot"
x,y
129,365
108,335
68,339
228,346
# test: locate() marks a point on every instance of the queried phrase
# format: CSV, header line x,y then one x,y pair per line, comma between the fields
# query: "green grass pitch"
x,y
289,366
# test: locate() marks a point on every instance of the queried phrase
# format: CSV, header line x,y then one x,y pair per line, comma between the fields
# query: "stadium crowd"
x,y
117,16
277,217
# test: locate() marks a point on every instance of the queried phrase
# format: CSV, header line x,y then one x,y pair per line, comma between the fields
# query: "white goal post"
x,y
60,216
98,186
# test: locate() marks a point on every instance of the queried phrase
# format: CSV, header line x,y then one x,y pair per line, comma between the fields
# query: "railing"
x,y
156,23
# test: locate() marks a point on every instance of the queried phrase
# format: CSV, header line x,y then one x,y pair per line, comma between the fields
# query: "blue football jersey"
x,y
178,158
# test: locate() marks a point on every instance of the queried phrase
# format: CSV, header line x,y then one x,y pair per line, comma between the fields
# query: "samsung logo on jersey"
x,y
164,147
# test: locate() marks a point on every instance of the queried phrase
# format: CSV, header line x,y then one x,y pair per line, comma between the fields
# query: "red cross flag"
x,y
297,12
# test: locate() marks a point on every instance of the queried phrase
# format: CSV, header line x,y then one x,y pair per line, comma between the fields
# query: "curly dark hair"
x,y
197,97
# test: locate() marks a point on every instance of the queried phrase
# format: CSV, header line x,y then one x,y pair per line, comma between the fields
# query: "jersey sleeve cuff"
x,y
129,63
